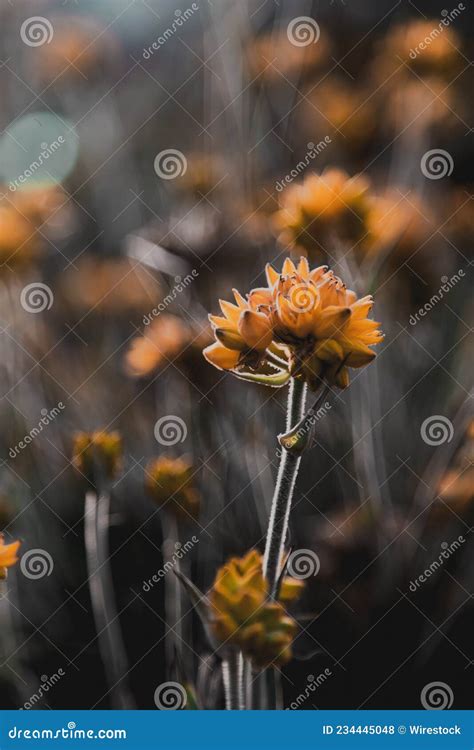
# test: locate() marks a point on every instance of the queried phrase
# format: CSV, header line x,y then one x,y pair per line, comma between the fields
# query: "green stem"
x,y
233,676
282,497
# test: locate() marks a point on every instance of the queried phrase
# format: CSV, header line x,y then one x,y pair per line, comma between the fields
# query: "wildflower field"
x,y
237,445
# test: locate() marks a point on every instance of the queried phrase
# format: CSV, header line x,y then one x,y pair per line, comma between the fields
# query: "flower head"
x,y
243,616
8,556
322,208
305,320
97,453
170,482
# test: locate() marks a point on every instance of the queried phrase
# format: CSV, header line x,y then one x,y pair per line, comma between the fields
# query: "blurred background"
x,y
146,152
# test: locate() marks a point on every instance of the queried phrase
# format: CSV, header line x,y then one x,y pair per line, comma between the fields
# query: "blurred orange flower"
x,y
243,616
8,556
165,339
97,454
323,209
170,482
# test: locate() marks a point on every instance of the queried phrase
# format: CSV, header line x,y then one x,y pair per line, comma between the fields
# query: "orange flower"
x,y
98,451
166,338
243,616
323,208
305,322
418,46
169,482
8,556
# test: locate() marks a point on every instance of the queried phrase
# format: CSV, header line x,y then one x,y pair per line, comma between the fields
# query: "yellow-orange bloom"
x,y
170,482
317,326
8,556
244,617
97,454
323,209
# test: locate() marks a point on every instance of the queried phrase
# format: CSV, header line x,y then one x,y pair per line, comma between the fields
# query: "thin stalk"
x,y
173,592
283,494
233,676
111,647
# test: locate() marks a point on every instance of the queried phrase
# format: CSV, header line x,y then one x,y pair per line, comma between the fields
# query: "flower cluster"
x,y
170,483
305,323
244,617
97,454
